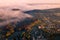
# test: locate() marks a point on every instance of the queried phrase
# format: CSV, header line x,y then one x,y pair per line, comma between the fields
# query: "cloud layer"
x,y
7,16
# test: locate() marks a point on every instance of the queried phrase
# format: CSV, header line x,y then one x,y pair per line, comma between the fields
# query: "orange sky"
x,y
37,4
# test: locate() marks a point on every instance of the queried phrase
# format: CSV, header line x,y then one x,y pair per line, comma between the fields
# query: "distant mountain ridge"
x,y
53,14
54,10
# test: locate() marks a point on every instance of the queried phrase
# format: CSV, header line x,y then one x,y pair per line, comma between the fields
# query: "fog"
x,y
7,16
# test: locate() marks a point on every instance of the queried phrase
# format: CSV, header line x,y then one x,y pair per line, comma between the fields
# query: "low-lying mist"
x,y
7,16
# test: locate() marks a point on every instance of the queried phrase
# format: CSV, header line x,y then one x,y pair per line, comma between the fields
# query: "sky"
x,y
31,4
